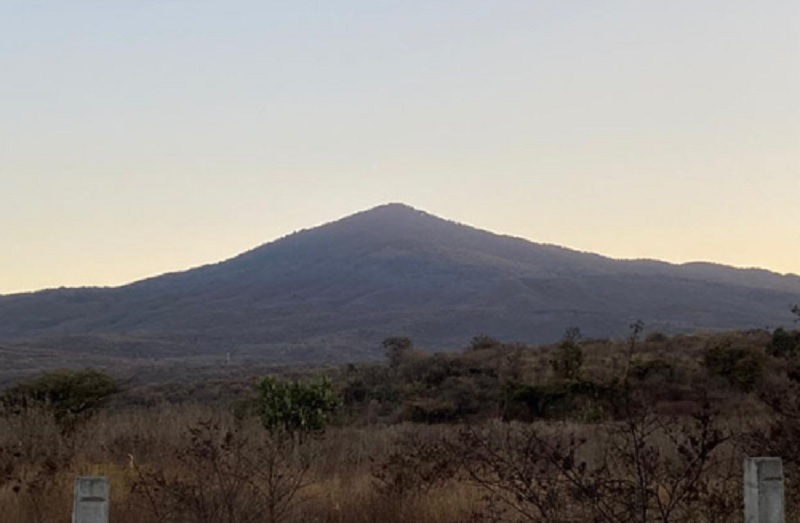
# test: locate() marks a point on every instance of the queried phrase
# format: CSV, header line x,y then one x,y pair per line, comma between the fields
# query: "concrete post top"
x,y
764,459
92,487
766,467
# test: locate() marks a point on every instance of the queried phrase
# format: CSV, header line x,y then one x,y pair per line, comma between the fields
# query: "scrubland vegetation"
x,y
652,428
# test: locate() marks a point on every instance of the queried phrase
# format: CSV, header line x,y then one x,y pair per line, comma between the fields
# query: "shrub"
x,y
414,466
642,370
430,411
568,362
397,348
783,343
741,367
584,399
70,396
224,477
656,337
650,470
294,407
483,342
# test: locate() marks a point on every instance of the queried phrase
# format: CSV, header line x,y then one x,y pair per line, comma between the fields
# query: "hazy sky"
x,y
145,136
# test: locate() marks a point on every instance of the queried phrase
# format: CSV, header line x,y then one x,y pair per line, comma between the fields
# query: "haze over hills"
x,y
335,291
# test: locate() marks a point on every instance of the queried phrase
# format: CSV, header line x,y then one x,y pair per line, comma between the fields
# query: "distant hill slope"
x,y
335,291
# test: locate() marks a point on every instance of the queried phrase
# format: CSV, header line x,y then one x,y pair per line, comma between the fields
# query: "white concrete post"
x,y
91,500
763,490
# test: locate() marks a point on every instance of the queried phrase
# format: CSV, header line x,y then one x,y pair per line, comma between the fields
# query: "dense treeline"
x,y
650,428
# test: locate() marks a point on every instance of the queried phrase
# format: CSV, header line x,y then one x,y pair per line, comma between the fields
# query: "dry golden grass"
x,y
122,445
341,487
126,442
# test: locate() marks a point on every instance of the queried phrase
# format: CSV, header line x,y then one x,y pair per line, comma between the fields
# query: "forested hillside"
x,y
334,292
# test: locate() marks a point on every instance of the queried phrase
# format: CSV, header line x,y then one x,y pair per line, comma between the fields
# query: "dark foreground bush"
x,y
741,367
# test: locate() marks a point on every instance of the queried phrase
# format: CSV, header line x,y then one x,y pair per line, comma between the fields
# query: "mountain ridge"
x,y
395,270
396,206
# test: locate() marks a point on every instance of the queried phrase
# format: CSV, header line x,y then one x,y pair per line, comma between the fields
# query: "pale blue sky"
x,y
139,137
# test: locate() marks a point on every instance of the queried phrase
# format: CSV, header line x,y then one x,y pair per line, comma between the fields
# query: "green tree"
x,y
783,343
71,396
482,342
295,408
742,367
569,360
397,348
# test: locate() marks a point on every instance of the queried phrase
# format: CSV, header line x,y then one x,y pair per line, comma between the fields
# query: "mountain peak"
x,y
393,207
392,210
395,270
394,217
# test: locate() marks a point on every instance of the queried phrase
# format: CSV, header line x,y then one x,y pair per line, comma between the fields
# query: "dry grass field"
x,y
650,429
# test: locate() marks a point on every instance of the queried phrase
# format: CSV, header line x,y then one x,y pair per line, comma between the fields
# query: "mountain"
x,y
335,291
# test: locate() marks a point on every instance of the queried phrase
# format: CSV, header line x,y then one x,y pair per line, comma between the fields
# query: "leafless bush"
x,y
643,469
416,465
33,453
224,475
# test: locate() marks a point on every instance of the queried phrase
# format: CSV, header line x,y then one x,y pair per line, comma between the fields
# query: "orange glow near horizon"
x,y
138,138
